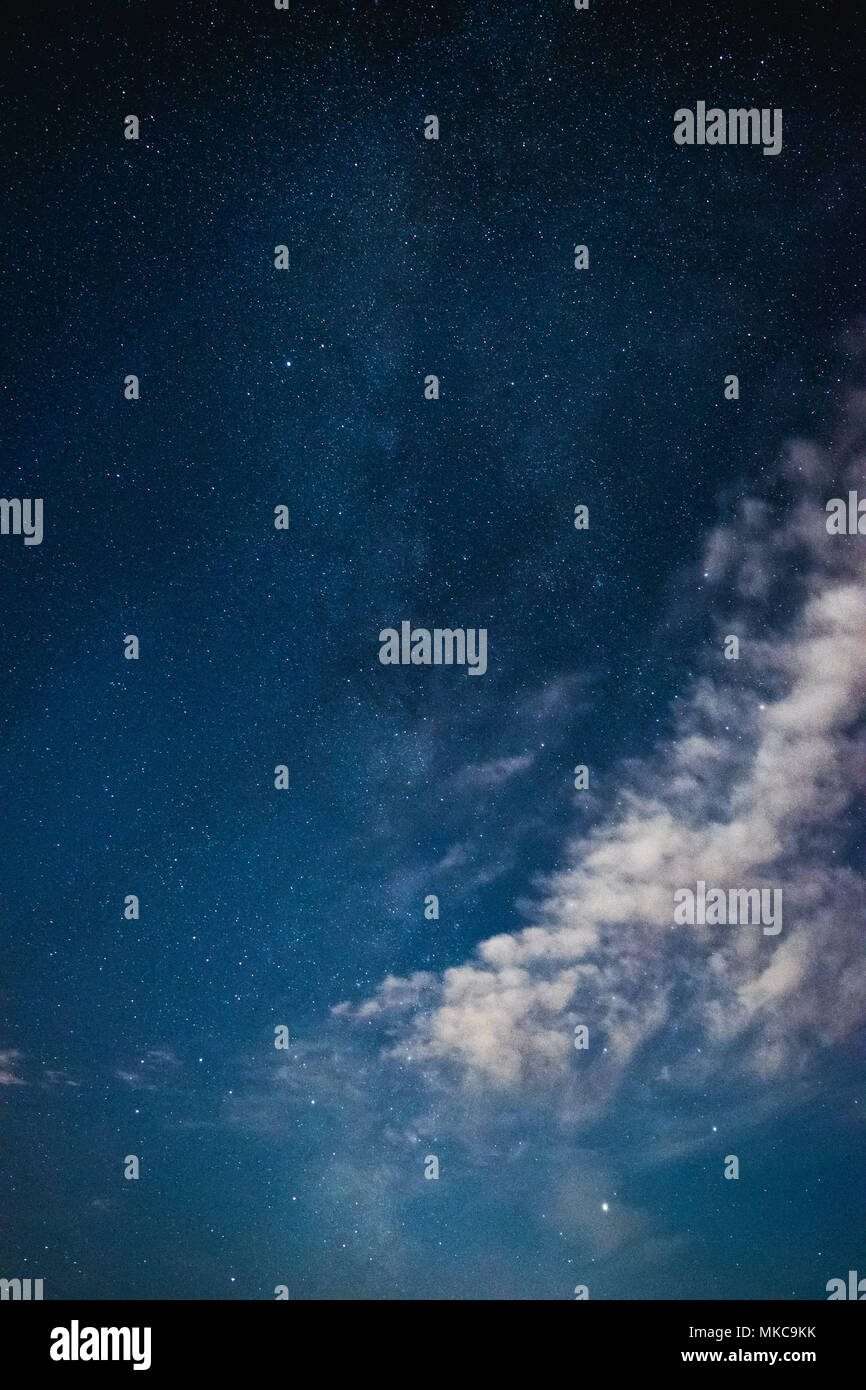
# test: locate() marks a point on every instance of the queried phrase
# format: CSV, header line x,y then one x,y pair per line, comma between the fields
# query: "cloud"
x,y
162,1056
9,1068
765,760
53,1076
496,772
150,1069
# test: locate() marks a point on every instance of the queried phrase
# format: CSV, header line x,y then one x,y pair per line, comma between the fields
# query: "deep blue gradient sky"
x,y
260,647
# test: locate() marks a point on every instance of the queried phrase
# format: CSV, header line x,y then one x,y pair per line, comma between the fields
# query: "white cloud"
x,y
496,772
9,1068
765,759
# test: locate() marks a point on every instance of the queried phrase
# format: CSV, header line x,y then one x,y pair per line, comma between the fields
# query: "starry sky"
x,y
259,647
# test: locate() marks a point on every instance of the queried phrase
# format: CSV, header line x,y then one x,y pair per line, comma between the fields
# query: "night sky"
x,y
409,1036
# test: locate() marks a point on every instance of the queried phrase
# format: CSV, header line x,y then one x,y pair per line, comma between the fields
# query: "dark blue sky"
x,y
260,647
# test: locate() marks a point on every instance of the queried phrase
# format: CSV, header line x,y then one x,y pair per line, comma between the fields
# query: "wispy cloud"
x,y
9,1061
765,759
496,772
150,1069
